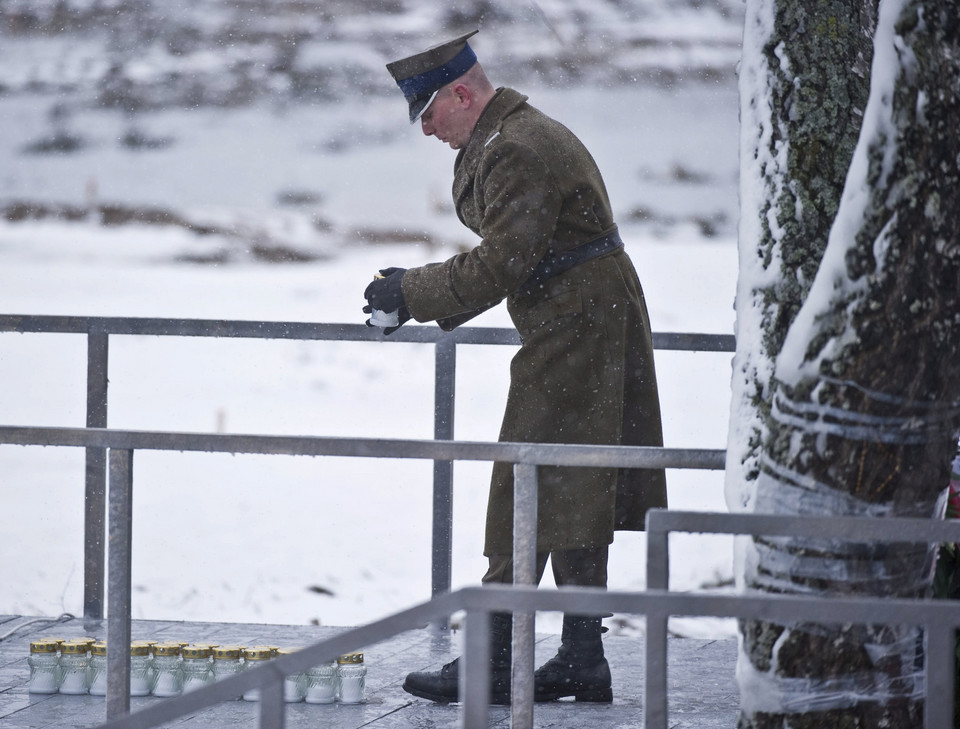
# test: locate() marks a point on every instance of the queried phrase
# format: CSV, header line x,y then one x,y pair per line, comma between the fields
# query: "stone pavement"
x,y
702,689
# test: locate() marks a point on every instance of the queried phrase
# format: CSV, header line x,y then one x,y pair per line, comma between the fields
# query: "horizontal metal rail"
x,y
547,454
678,341
660,523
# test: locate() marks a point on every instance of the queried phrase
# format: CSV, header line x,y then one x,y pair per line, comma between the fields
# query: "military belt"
x,y
557,262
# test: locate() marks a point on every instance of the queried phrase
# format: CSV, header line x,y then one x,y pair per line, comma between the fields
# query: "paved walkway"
x,y
703,691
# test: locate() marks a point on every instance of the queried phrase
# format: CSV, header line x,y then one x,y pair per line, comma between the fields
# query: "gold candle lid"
x,y
348,658
196,651
44,646
227,652
166,649
259,653
74,647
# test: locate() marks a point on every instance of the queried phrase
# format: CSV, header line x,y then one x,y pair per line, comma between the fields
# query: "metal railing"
x,y
939,662
939,618
98,331
122,445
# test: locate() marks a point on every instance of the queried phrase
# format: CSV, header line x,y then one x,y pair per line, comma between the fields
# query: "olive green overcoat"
x,y
584,372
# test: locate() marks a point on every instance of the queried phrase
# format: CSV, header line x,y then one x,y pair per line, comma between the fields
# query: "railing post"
x,y
443,412
272,707
655,693
94,546
658,554
475,673
118,609
658,578
524,573
940,677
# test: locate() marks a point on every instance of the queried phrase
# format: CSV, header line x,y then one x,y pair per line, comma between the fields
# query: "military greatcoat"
x,y
584,373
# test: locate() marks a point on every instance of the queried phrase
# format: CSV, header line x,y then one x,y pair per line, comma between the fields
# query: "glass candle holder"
x,y
196,666
44,665
74,660
253,657
352,675
97,669
321,684
168,679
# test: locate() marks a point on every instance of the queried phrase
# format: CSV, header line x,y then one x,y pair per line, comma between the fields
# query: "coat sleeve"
x,y
519,204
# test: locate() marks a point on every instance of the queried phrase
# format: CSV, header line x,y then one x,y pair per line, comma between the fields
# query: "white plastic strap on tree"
x,y
767,692
895,421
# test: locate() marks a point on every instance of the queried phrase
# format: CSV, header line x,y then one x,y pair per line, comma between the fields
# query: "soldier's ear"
x,y
462,94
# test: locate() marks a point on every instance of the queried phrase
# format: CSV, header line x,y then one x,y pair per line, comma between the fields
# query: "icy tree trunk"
x,y
865,396
803,88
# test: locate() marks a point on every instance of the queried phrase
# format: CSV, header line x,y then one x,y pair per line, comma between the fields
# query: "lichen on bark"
x,y
818,56
814,120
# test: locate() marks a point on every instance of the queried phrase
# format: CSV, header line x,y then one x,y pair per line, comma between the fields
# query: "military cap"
x,y
423,74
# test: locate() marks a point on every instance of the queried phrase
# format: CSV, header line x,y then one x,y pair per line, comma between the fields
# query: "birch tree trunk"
x,y
865,394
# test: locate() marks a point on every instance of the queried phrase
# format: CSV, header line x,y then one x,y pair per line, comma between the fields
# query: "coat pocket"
x,y
529,319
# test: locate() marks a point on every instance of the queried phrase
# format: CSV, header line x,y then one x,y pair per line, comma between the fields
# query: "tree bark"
x,y
866,393
804,86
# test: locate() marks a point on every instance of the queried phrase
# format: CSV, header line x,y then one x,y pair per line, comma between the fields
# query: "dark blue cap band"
x,y
427,83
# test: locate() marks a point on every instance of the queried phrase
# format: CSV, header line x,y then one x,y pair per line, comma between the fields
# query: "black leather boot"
x,y
443,686
579,668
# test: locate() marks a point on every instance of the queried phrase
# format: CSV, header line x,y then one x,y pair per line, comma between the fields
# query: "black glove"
x,y
386,293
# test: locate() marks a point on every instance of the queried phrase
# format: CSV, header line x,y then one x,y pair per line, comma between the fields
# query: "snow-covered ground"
x,y
349,187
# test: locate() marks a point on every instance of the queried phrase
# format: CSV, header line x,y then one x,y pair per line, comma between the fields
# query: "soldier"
x,y
584,372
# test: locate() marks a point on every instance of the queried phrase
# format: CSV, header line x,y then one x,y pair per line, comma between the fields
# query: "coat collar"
x,y
501,105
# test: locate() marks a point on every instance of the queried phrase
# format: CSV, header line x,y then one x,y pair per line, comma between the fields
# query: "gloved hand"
x,y
386,293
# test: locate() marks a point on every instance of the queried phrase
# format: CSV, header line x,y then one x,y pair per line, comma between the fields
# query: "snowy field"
x,y
336,541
